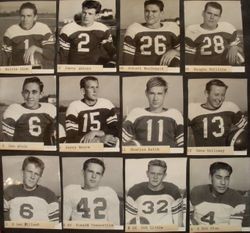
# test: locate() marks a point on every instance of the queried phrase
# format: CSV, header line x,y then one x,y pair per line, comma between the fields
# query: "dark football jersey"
x,y
16,40
85,45
148,128
82,119
145,46
211,127
209,47
39,204
225,209
21,124
157,207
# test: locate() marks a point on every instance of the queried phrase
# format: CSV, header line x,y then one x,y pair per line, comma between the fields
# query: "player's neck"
x,y
155,188
209,106
89,102
29,189
208,28
33,108
154,26
156,110
89,188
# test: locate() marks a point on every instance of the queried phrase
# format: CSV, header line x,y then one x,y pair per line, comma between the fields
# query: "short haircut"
x,y
86,79
215,82
159,3
220,165
34,160
34,80
156,81
93,160
28,5
215,5
91,4
159,163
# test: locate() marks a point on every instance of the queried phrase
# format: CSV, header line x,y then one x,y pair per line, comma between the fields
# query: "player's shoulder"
x,y
194,31
72,188
233,197
46,191
230,106
105,103
136,112
199,193
174,112
194,110
13,111
137,190
42,27
12,30
171,27
133,29
107,190
70,28
100,26
226,27
171,189
49,108
13,189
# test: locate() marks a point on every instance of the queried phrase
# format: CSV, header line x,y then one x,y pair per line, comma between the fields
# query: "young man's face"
x,y
220,181
155,176
92,176
216,96
156,96
27,18
152,15
31,94
211,18
88,16
91,90
31,176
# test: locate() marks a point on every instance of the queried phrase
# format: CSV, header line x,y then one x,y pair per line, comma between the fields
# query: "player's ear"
x,y
35,18
203,13
82,91
147,173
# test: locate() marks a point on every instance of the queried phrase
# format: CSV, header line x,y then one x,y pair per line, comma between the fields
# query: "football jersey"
x,y
21,124
82,119
82,204
157,207
224,209
39,204
145,46
211,127
17,40
209,47
149,128
85,45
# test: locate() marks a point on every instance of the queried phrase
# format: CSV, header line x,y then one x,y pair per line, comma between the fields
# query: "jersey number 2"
x,y
81,47
99,204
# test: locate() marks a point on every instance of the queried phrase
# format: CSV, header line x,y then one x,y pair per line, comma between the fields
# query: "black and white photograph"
x,y
154,196
214,36
27,40
217,116
93,195
219,194
89,113
87,36
28,113
152,114
32,193
150,36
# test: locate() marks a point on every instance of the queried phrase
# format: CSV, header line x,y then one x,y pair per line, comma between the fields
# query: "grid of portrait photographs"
x,y
124,116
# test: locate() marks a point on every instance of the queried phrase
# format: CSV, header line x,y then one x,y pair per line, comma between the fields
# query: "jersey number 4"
x,y
208,218
158,43
99,205
215,44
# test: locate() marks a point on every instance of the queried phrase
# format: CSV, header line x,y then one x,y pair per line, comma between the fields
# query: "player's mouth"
x,y
220,188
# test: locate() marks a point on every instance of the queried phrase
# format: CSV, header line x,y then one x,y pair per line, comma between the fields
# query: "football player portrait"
x,y
213,41
91,119
216,121
154,42
29,201
90,201
153,201
34,120
216,203
28,42
155,125
86,40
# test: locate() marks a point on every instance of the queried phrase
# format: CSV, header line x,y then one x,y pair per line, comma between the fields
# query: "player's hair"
x,y
34,160
93,160
34,80
215,82
159,3
158,162
220,165
86,79
28,5
91,4
156,81
215,5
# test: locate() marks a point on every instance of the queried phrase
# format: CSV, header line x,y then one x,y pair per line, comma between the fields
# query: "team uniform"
x,y
86,45
21,124
39,204
153,207
145,46
148,128
224,209
17,40
210,47
82,204
211,127
82,119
